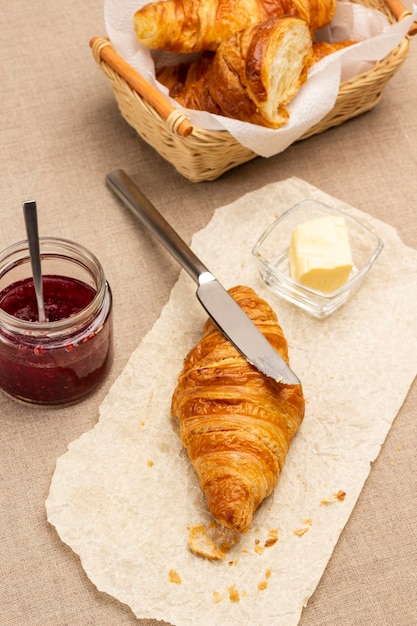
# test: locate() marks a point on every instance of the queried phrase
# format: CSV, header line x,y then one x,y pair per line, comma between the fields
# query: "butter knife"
x,y
220,306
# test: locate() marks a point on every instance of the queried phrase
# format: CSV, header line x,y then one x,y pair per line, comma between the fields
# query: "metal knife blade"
x,y
219,305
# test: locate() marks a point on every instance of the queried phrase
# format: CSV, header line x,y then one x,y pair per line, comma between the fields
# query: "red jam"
x,y
56,366
62,296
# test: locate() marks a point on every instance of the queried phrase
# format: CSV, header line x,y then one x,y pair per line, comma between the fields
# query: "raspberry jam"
x,y
62,296
63,359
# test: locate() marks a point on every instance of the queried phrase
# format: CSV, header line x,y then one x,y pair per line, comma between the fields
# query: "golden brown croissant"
x,y
322,49
255,73
195,25
178,78
235,422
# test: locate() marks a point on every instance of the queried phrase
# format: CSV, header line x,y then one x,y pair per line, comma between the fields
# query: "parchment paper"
x,y
375,36
125,493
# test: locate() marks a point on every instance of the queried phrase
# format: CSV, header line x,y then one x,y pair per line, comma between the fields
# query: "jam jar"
x,y
63,359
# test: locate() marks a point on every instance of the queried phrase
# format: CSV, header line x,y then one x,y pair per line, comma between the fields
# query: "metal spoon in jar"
x,y
31,223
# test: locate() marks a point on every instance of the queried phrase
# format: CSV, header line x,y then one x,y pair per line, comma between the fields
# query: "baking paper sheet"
x,y
125,493
376,38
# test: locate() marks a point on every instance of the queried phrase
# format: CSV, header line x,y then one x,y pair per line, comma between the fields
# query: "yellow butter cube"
x,y
320,254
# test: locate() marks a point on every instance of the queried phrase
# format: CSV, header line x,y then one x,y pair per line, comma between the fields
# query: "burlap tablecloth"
x,y
60,134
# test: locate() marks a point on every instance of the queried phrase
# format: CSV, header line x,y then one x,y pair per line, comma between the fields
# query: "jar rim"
x,y
64,248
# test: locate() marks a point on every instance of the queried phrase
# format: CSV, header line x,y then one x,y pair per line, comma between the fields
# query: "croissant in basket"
x,y
254,74
235,422
186,26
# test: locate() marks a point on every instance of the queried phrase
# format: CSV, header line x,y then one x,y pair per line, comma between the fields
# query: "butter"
x,y
320,255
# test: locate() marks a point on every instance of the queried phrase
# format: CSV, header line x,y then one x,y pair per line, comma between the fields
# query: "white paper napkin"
x,y
125,493
314,100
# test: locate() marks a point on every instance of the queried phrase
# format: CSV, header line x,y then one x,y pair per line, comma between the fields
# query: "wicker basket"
x,y
202,155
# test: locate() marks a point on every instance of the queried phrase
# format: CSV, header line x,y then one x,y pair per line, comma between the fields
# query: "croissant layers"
x,y
185,26
236,423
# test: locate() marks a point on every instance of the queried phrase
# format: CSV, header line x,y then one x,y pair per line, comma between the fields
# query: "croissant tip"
x,y
236,507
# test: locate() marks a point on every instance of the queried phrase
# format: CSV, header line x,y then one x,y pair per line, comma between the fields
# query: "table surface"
x,y
60,134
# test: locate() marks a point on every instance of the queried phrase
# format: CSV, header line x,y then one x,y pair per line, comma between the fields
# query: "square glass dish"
x,y
272,249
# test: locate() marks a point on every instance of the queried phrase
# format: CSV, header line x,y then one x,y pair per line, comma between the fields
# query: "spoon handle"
x,y
31,223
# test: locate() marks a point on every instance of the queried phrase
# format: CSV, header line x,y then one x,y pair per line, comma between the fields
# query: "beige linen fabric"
x,y
60,134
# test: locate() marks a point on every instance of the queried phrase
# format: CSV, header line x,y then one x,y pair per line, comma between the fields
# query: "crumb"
x,y
217,597
268,573
300,532
150,463
340,496
213,542
174,577
234,595
270,541
308,521
392,462
201,544
259,549
262,585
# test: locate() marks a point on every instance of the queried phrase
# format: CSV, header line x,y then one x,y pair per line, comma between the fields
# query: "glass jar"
x,y
63,359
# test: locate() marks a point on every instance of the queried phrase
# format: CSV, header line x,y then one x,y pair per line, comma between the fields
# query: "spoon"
x,y
31,223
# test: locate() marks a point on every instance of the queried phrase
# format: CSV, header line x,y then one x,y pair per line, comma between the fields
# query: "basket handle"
x,y
180,123
400,12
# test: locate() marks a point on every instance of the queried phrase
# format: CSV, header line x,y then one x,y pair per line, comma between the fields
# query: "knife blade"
x,y
219,305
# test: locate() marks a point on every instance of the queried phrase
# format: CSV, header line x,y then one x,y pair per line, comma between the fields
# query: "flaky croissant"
x,y
252,75
178,78
235,422
322,49
186,26
255,73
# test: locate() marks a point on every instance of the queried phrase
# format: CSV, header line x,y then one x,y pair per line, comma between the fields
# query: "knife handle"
x,y
142,207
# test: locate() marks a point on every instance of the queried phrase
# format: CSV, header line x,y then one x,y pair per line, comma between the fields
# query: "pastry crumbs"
x,y
217,597
340,495
174,577
234,595
262,585
300,532
203,545
270,541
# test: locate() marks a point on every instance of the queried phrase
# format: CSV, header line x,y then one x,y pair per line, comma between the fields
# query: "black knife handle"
x,y
124,187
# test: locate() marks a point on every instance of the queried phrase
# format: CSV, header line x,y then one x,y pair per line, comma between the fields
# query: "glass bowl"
x,y
271,256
